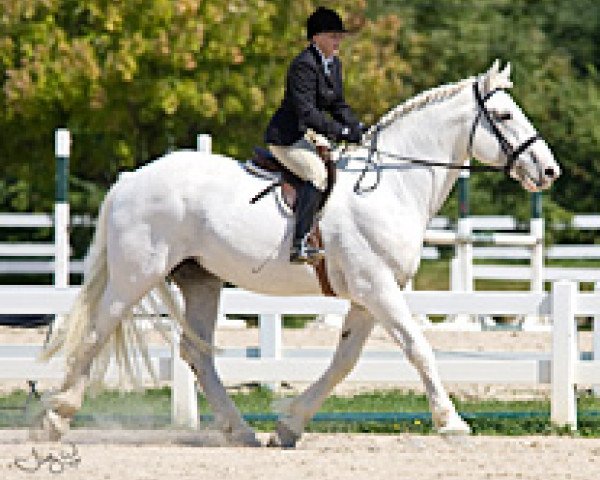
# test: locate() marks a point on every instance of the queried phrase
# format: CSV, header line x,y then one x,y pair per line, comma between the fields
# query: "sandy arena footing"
x,y
164,455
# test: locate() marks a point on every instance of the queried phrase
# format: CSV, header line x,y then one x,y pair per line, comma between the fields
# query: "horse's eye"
x,y
502,116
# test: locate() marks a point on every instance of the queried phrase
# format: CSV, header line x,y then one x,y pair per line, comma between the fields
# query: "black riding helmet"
x,y
323,20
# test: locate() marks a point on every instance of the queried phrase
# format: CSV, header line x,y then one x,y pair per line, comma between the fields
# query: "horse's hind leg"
x,y
298,412
62,405
202,292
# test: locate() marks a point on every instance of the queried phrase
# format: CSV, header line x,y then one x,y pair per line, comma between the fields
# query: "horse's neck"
x,y
437,132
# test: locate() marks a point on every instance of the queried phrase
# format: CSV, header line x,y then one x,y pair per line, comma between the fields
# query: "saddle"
x,y
289,183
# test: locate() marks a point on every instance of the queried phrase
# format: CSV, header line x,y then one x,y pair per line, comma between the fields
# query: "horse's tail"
x,y
71,330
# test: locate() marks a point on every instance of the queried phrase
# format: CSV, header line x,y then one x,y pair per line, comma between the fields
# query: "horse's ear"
x,y
505,76
489,81
495,68
494,78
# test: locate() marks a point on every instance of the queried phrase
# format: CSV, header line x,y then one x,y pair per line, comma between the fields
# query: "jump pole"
x,y
462,265
62,144
536,228
184,401
464,233
596,338
204,145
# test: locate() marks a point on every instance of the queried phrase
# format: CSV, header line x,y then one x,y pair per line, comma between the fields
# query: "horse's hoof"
x,y
284,437
243,438
48,427
455,426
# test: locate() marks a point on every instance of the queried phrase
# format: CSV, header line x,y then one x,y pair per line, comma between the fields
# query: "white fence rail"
x,y
564,371
20,253
550,274
475,230
506,244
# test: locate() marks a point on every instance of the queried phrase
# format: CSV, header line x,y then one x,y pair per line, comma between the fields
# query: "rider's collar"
x,y
326,62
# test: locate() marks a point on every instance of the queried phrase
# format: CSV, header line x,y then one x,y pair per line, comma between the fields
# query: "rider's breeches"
x,y
302,159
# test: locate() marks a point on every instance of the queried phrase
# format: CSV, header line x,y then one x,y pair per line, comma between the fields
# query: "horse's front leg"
x,y
296,413
386,302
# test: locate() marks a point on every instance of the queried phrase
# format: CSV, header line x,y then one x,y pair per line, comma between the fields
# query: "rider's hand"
x,y
363,128
351,134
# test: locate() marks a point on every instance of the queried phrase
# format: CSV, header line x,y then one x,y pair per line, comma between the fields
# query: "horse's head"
x,y
503,136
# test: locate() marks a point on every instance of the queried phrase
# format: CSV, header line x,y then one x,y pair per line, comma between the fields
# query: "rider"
x,y
313,88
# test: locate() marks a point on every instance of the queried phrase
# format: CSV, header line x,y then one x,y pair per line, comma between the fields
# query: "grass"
x,y
385,412
435,274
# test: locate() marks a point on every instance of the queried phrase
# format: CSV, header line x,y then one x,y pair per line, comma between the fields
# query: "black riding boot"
x,y
307,204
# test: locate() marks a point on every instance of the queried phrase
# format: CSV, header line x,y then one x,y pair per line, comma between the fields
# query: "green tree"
x,y
133,78
554,51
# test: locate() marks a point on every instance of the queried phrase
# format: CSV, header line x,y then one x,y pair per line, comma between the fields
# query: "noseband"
x,y
511,153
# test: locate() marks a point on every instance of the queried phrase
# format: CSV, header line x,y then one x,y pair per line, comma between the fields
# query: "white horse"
x,y
189,205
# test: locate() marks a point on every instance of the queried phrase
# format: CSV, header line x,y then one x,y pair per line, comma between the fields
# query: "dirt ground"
x,y
150,456
316,335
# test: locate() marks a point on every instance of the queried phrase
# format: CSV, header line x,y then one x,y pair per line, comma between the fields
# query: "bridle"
x,y
511,153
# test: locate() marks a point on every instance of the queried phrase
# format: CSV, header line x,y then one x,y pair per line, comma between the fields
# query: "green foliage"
x,y
133,79
401,412
555,77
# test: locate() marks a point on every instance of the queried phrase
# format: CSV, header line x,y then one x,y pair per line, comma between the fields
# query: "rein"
x,y
509,151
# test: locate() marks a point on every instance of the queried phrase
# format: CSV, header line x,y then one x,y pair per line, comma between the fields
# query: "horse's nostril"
x,y
549,172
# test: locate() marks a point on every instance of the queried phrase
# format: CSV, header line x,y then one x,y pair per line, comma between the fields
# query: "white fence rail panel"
x,y
515,272
27,249
36,300
385,371
26,220
573,252
493,222
37,267
563,304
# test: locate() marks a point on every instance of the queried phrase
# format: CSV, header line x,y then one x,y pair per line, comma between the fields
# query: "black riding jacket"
x,y
309,96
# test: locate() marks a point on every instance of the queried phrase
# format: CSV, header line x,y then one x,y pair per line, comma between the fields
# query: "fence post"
x,y
536,227
184,402
536,284
270,337
455,277
596,338
420,318
465,245
564,355
464,249
204,143
62,145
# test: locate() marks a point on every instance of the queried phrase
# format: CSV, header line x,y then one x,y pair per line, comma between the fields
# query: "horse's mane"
x,y
419,101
